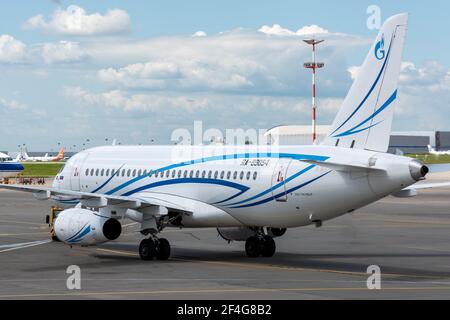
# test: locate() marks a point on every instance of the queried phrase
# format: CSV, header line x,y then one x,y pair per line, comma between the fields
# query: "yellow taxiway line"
x,y
200,291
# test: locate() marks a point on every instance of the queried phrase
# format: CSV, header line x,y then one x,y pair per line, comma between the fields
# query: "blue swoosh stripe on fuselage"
x,y
274,187
237,186
370,91
107,181
373,115
223,157
280,194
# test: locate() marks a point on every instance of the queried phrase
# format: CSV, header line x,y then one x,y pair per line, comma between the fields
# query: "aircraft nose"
x,y
418,170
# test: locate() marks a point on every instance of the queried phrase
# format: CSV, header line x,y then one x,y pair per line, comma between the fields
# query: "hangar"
x,y
400,141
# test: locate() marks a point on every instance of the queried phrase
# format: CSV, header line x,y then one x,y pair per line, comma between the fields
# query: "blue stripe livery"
x,y
368,93
357,128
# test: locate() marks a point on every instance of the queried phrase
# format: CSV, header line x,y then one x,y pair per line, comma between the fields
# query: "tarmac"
x,y
407,238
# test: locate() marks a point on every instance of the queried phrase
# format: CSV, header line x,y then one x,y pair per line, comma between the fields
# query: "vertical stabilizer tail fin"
x,y
364,120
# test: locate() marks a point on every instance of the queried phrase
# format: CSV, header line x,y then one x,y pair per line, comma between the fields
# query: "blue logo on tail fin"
x,y
379,49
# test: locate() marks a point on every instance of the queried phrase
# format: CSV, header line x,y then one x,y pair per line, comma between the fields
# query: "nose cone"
x,y
418,170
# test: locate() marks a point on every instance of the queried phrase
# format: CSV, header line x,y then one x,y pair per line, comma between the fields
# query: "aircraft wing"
x,y
97,200
428,185
342,166
411,191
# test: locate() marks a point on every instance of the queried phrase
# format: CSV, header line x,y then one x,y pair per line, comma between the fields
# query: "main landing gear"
x,y
260,245
151,248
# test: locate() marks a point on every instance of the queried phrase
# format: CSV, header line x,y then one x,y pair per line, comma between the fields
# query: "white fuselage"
x,y
251,185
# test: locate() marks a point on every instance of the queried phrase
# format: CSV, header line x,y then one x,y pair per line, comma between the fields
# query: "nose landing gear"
x,y
260,245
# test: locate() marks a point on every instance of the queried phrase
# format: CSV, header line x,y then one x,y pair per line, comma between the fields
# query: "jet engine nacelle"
x,y
85,227
243,233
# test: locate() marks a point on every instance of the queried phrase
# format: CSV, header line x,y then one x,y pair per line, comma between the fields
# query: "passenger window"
x,y
144,173
129,173
107,172
102,172
97,172
235,175
156,173
248,175
197,174
241,176
179,173
209,174
255,175
222,174
185,174
203,174
87,172
216,174
174,172
228,175
139,172
191,174
151,173
167,173
92,172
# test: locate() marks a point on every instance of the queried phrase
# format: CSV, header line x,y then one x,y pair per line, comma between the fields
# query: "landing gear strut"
x,y
154,248
256,246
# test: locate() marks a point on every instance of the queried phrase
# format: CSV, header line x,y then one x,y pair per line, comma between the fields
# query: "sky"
x,y
135,71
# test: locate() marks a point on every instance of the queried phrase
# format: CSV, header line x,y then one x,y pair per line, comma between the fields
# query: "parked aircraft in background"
x,y
431,150
24,157
9,167
249,193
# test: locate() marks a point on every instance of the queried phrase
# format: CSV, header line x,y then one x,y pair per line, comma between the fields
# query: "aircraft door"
x,y
279,191
75,176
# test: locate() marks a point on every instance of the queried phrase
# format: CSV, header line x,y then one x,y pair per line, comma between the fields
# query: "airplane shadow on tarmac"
x,y
289,261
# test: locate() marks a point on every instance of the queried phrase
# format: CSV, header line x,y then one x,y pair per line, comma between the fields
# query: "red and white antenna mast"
x,y
313,66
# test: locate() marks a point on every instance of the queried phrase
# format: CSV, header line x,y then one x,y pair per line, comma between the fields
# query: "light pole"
x,y
313,66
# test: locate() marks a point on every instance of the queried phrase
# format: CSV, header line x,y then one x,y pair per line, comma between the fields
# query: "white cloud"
x,y
240,60
353,70
200,34
62,52
75,21
181,74
12,50
312,29
12,104
277,30
135,102
424,95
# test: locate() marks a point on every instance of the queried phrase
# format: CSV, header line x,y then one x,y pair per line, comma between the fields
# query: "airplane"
x,y
46,158
431,150
9,167
250,193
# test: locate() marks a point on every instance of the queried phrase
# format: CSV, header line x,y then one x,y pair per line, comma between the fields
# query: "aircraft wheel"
x,y
253,247
163,249
268,247
147,249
